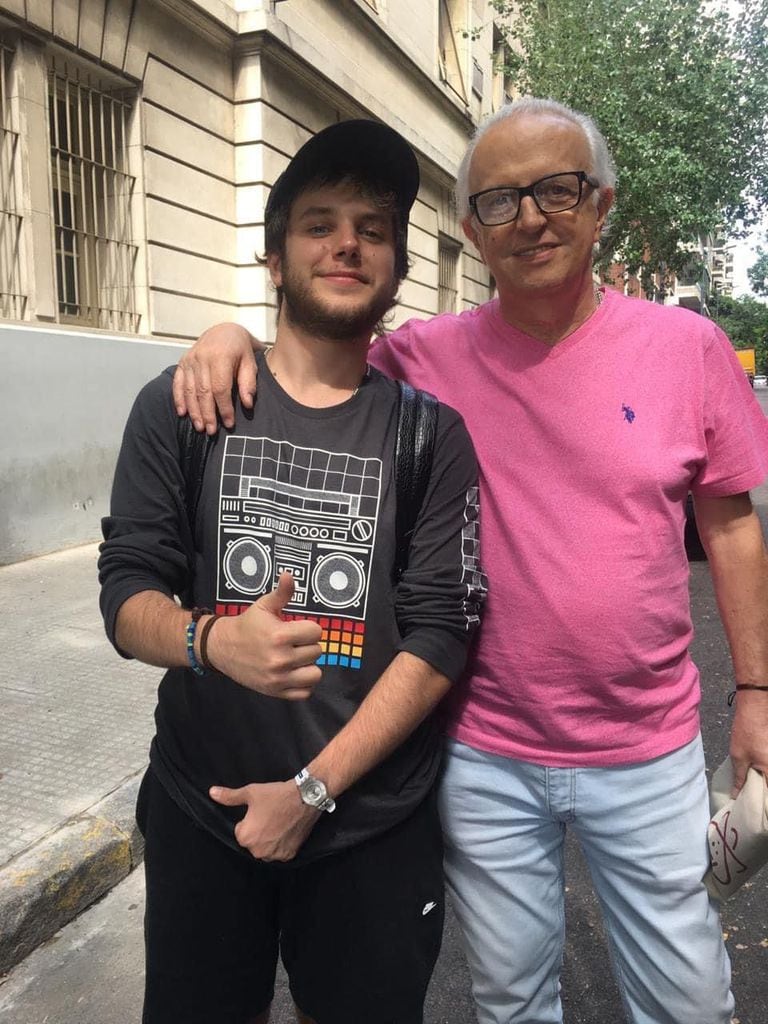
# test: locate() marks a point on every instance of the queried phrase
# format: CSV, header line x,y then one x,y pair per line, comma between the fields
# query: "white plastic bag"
x,y
738,831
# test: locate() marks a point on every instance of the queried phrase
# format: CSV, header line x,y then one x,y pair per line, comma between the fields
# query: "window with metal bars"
x,y
12,300
92,191
447,271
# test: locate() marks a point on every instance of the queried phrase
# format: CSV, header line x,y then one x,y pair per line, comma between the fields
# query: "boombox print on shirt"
x,y
307,511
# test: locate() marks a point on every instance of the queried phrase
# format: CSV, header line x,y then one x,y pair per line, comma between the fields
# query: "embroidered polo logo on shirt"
x,y
629,413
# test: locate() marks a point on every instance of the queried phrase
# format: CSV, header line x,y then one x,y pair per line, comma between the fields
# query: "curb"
x,y
48,885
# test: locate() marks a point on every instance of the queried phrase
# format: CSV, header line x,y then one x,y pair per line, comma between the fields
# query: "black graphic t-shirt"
x,y
309,491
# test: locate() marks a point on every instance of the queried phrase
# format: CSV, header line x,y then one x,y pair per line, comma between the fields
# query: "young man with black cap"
x,y
289,801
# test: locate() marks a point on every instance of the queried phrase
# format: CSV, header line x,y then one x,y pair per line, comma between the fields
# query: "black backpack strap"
x,y
193,455
416,428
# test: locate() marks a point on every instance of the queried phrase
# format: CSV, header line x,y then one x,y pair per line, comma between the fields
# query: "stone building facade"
x,y
138,142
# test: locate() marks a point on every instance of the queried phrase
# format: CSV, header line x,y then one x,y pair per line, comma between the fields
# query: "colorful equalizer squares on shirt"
x,y
230,609
342,640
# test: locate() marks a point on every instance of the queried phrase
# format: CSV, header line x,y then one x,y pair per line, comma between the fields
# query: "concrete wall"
x,y
64,400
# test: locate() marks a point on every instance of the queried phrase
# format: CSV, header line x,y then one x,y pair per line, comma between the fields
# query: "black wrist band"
x,y
744,686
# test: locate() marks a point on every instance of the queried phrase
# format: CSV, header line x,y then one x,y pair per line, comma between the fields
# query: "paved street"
x,y
76,721
90,973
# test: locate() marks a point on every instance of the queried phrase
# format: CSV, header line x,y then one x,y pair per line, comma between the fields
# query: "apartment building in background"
x,y
708,274
720,253
138,143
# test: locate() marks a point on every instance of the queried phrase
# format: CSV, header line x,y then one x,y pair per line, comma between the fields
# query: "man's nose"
x,y
529,215
347,240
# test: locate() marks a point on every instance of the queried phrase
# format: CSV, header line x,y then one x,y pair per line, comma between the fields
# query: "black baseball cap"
x,y
369,150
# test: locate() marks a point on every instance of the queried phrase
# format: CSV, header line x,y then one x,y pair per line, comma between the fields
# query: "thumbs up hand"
x,y
262,652
277,599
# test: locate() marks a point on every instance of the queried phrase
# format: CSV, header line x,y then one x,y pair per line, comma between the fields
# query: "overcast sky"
x,y
743,257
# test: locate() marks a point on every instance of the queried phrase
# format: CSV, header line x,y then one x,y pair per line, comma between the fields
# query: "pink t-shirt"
x,y
587,450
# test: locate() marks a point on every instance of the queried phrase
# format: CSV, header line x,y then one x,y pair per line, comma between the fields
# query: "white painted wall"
x,y
64,399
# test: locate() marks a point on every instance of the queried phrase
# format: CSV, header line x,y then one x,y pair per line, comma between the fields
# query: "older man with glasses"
x,y
593,416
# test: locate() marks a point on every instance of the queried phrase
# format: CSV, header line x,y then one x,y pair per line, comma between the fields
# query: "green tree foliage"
x,y
758,273
680,90
745,321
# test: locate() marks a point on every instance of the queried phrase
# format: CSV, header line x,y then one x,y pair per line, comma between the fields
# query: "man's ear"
x,y
604,204
275,268
470,229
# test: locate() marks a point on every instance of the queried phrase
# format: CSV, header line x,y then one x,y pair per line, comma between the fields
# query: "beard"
x,y
326,320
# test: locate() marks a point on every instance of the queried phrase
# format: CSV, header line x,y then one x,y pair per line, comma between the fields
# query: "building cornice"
x,y
273,39
213,19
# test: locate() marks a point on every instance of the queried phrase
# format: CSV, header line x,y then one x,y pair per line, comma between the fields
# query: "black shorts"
x,y
359,931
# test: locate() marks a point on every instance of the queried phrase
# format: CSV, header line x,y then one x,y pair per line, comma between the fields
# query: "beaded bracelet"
x,y
194,664
744,686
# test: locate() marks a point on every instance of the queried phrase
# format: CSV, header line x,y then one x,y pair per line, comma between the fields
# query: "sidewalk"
x,y
76,725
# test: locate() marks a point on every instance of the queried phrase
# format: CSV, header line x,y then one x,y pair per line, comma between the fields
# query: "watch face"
x,y
314,791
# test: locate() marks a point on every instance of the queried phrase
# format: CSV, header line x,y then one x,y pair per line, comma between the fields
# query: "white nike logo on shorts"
x,y
427,908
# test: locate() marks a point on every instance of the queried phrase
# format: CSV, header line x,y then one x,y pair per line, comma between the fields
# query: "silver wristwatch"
x,y
313,792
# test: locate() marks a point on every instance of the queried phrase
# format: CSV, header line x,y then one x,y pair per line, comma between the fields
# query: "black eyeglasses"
x,y
554,194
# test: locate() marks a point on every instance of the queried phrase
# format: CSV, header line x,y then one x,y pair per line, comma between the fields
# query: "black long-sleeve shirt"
x,y
310,491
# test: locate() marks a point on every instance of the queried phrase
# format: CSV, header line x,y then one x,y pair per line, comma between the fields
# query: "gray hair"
x,y
602,162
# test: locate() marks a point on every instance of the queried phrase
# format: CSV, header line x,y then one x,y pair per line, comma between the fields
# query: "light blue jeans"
x,y
642,829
